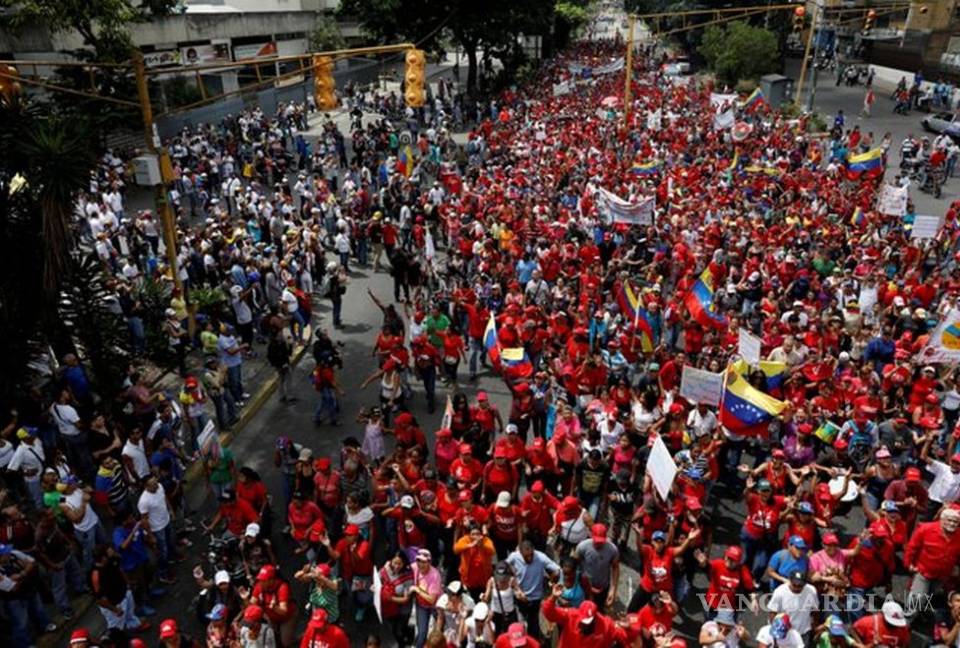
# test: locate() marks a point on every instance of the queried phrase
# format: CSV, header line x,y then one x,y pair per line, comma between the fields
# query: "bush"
x,y
739,51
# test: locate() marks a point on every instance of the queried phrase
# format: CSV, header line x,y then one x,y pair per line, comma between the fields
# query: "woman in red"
x,y
761,527
802,523
499,475
251,488
728,578
658,562
461,419
453,352
445,450
521,408
301,515
539,465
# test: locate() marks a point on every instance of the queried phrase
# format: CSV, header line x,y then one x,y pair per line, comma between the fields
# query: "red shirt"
x,y
500,478
327,488
504,522
281,594
725,583
253,492
874,630
931,551
873,566
763,518
301,517
604,634
354,561
655,622
331,636
657,569
503,641
476,515
238,515
538,515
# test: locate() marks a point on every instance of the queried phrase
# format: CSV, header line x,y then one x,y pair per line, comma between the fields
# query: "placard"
x,y
925,227
892,201
375,590
209,442
699,386
749,347
661,468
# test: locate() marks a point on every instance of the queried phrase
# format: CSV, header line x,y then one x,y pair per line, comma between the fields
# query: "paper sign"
x,y
699,386
925,227
724,120
718,101
892,201
375,590
749,347
209,442
661,468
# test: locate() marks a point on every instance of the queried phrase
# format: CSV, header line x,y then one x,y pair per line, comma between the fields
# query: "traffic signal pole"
x,y
628,73
806,54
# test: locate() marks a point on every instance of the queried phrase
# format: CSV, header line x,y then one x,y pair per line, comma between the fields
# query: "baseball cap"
x,y
912,474
424,554
253,530
80,634
500,452
455,588
830,539
406,502
511,428
537,487
763,484
221,577
318,617
351,529
481,611
658,535
218,613
168,628
266,573
481,396
503,499
465,495
587,612
252,614
517,634
879,530
466,448
798,576
893,614
805,507
890,506
322,463
780,626
725,617
835,626
733,553
798,542
599,532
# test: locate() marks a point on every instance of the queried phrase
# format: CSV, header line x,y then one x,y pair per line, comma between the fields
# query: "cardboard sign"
x,y
661,468
925,227
749,347
892,201
699,386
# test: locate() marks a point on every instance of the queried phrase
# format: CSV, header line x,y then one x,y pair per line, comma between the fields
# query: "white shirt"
x,y
731,640
67,418
703,424
792,640
89,520
946,483
139,458
29,459
154,506
289,300
798,606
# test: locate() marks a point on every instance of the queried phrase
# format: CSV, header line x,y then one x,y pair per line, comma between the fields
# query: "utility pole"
x,y
806,54
628,73
164,212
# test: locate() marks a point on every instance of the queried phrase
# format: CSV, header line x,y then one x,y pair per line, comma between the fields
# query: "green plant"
x,y
816,123
211,302
739,51
745,86
326,35
154,297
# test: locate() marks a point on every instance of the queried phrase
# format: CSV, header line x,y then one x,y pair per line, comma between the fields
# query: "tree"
x,y
739,51
327,36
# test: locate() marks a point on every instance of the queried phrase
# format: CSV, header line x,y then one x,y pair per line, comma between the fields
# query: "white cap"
x,y
893,614
481,611
503,499
221,577
406,501
253,530
512,428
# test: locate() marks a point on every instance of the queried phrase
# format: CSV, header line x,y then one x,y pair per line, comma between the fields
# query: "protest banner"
x,y
892,201
749,347
925,227
661,468
699,386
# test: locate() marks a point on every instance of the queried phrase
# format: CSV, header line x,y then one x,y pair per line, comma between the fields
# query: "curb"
x,y
83,604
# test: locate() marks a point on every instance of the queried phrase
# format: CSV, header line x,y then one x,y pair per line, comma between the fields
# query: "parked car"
x,y
942,122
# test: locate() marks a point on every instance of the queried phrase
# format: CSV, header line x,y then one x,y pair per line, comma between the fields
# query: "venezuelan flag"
x,y
735,162
490,342
754,101
700,302
857,219
745,410
648,168
869,164
405,161
514,362
632,308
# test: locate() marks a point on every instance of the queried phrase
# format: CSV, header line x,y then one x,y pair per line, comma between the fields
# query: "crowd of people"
x,y
515,528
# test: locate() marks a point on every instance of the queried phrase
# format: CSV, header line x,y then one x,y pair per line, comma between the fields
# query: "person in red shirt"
x,y
426,360
761,526
512,443
658,563
933,552
467,514
273,594
516,637
540,465
499,475
506,524
237,514
885,628
326,482
537,508
728,578
356,567
874,564
301,514
655,619
583,627
322,634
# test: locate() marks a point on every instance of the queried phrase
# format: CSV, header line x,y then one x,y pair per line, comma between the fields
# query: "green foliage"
x,y
739,51
327,36
154,297
211,302
181,91
96,323
571,12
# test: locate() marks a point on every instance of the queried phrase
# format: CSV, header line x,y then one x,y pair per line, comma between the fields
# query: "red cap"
x,y
599,532
324,570
500,452
319,617
466,448
351,530
465,495
734,553
779,454
168,628
190,382
266,573
322,464
539,443
481,395
316,530
536,487
253,613
403,418
137,642
830,539
569,502
912,474
444,433
517,635
80,634
587,612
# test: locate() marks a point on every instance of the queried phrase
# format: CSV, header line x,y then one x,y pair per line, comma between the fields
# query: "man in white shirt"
x,y
945,488
135,456
86,523
723,631
155,509
798,599
702,421
28,460
779,634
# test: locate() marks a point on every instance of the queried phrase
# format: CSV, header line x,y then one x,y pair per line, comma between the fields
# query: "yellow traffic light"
x,y
324,85
415,78
9,87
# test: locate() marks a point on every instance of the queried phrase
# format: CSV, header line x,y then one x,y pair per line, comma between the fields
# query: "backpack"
x,y
304,301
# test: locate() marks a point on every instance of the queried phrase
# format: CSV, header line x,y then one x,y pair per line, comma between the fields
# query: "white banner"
x,y
892,201
944,343
749,347
618,210
162,58
561,88
718,101
609,68
925,227
655,120
661,468
699,386
724,120
375,589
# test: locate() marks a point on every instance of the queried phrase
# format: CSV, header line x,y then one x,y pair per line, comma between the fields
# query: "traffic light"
x,y
868,21
324,85
9,87
798,15
415,78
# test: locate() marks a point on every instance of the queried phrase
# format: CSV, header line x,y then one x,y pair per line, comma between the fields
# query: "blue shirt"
x,y
525,270
784,564
76,378
530,575
135,554
225,342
